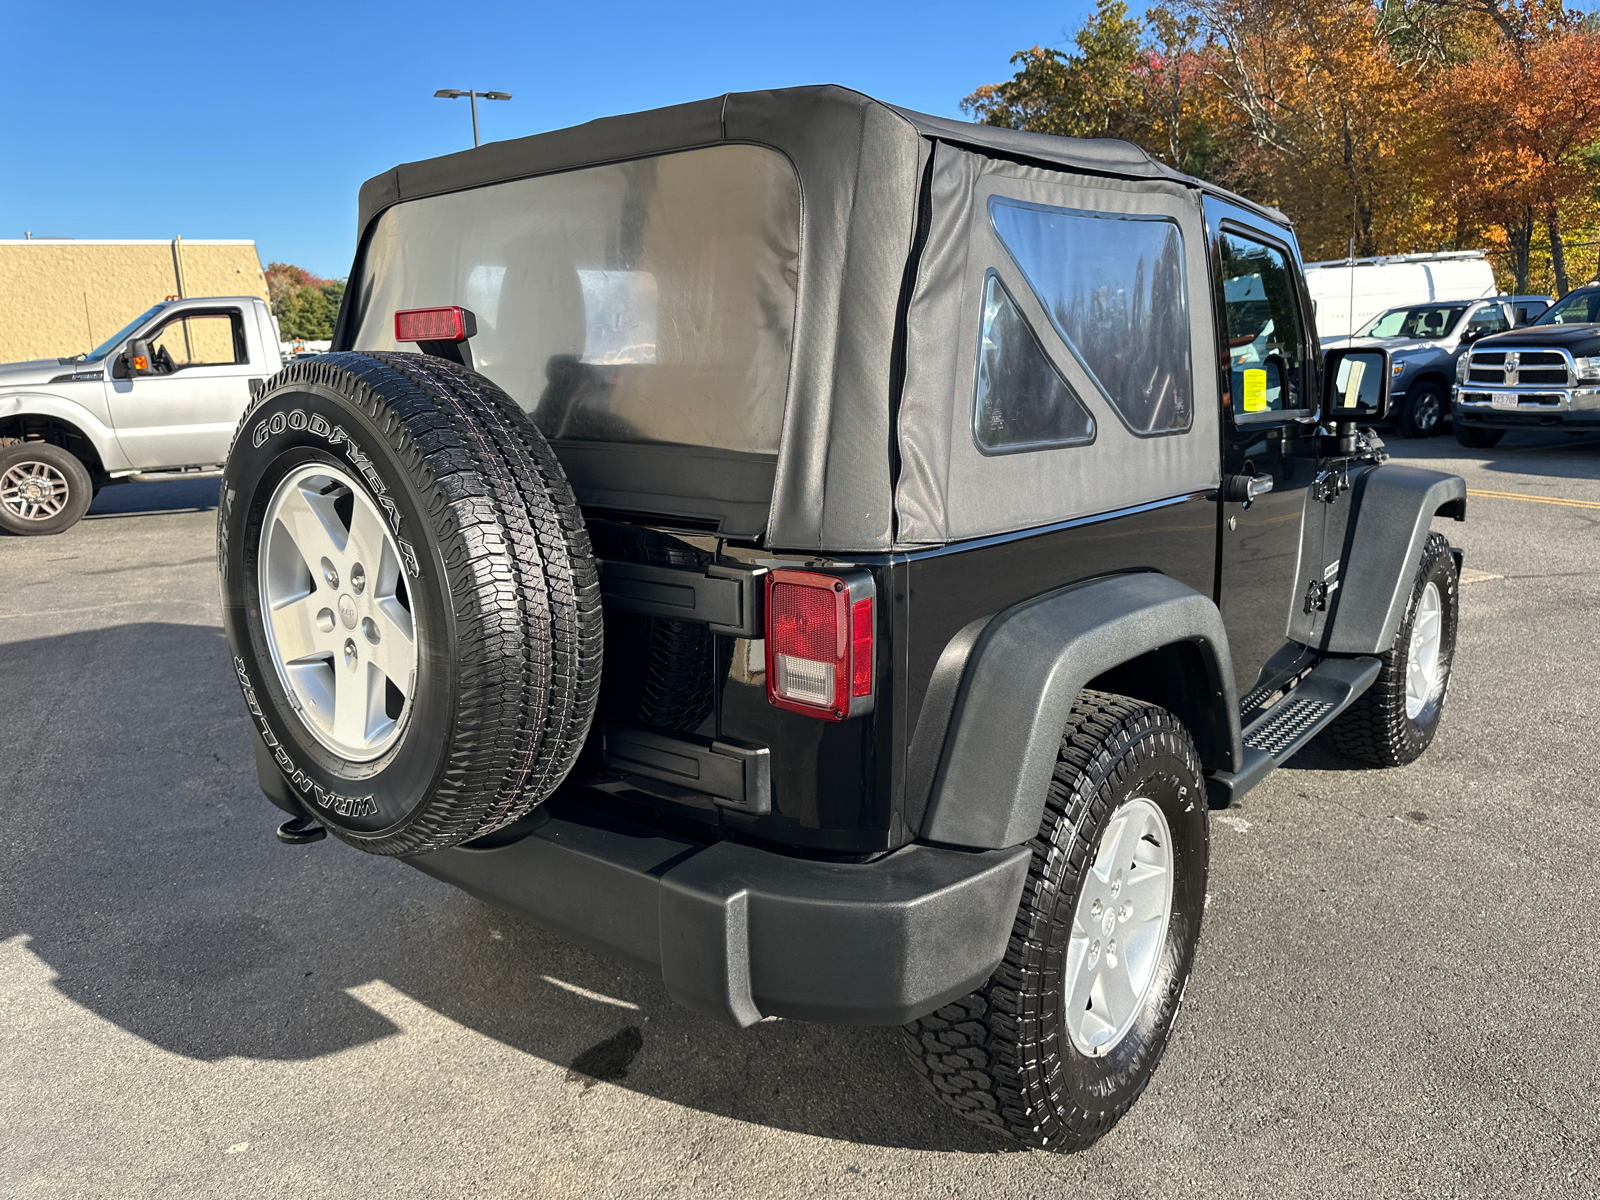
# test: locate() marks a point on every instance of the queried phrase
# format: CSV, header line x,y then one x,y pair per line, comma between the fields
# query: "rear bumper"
x,y
739,933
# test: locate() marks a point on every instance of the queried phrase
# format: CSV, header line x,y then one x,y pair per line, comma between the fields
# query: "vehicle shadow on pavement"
x,y
145,499
142,868
1556,455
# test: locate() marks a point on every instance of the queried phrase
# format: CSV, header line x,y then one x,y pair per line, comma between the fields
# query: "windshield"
x,y
115,340
1575,308
1417,321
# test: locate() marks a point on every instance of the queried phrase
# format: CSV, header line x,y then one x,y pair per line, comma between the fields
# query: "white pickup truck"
x,y
158,400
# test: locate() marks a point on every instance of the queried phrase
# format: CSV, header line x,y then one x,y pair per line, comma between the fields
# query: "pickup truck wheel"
x,y
1477,436
1066,1034
409,597
43,489
1421,413
1394,721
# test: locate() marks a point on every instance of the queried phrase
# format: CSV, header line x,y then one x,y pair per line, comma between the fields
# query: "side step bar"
x,y
1303,712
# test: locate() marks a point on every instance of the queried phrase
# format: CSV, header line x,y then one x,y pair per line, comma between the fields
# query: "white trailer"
x,y
1348,293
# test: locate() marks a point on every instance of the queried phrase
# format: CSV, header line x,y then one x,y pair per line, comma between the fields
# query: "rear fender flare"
x,y
1025,670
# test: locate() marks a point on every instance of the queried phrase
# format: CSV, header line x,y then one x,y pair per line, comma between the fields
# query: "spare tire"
x,y
409,597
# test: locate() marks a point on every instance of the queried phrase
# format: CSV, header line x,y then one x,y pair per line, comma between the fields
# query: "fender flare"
x,y
1392,514
1026,669
99,435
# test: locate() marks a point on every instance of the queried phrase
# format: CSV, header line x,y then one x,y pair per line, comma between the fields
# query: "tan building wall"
x,y
60,297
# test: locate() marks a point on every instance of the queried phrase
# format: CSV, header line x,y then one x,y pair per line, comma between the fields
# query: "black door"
x,y
1268,384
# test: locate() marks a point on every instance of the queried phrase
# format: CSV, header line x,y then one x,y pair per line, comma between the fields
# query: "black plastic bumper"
x,y
740,933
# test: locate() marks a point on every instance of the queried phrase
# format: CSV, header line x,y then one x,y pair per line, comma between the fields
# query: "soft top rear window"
x,y
650,301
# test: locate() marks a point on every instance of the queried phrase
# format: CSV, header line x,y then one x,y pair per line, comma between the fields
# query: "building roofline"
x,y
55,241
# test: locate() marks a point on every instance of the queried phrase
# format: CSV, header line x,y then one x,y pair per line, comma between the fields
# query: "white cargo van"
x,y
1349,293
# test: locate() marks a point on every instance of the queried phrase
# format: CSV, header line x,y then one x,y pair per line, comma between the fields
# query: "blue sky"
x,y
234,119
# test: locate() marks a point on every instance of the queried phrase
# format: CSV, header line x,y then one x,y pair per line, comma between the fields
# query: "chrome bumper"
x,y
1531,400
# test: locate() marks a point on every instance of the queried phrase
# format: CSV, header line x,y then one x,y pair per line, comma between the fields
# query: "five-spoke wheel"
x,y
339,619
1119,928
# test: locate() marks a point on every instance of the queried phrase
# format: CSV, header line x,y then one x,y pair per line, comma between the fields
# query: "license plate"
x,y
1502,399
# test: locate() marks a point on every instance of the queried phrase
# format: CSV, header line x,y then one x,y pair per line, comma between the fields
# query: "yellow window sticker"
x,y
1255,390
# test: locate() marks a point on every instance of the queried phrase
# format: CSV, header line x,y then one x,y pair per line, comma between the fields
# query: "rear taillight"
x,y
819,643
433,325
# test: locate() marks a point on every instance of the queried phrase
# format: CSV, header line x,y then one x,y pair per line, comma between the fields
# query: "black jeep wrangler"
x,y
832,557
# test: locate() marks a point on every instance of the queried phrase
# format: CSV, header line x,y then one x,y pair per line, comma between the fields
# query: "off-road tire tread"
x,y
517,563
982,1054
1375,728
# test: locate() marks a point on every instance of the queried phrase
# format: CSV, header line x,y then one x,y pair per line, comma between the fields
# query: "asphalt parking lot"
x,y
1395,993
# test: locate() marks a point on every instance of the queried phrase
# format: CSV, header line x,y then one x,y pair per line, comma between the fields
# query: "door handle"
x,y
1242,489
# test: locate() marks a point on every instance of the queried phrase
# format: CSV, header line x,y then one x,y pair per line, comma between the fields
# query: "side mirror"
x,y
138,357
1355,385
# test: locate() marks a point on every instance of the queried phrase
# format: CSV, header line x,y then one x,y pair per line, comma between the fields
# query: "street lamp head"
x,y
495,95
448,94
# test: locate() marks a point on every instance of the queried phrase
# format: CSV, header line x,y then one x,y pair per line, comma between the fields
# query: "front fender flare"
x,y
1392,514
1024,673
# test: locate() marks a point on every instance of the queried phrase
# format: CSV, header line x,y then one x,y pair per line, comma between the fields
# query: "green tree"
x,y
305,304
1092,93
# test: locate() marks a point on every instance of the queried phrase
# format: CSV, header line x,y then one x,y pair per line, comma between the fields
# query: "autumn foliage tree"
x,y
1381,126
305,304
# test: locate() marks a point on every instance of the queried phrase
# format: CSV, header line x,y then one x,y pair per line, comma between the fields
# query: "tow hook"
x,y
301,831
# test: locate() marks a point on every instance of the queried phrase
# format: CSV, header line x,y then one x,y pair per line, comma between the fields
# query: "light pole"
x,y
457,93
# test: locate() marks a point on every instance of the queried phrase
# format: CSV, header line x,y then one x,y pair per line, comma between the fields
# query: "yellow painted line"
x,y
1535,499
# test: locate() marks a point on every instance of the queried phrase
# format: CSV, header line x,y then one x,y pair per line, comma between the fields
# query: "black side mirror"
x,y
1355,385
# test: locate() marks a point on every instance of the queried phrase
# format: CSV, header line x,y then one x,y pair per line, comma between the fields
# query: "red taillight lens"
x,y
430,325
861,648
819,644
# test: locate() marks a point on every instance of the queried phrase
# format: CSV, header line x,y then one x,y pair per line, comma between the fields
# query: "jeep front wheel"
x,y
409,597
1066,1034
1394,721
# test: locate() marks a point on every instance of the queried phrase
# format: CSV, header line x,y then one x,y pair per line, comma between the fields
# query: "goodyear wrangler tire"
x,y
409,598
1068,1031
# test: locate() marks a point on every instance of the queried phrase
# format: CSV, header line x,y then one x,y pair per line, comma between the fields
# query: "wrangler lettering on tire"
x,y
410,599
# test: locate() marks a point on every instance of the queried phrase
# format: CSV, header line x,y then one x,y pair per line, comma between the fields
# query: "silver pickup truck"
x,y
159,399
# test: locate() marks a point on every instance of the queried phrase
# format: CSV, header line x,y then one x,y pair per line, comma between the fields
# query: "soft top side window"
x,y
1266,347
1021,401
1113,286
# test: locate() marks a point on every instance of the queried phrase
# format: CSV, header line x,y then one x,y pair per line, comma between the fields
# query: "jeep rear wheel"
x,y
43,489
1066,1034
410,599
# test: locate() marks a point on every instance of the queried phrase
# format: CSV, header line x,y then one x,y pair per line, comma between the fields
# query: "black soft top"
x,y
867,176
